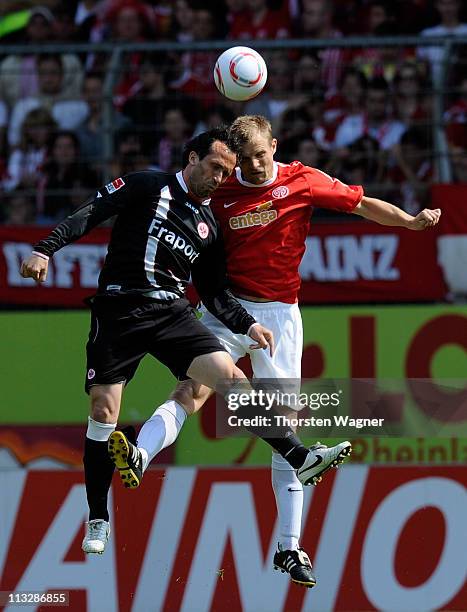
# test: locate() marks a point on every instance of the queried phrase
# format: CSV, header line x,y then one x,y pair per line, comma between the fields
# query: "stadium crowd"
x,y
363,114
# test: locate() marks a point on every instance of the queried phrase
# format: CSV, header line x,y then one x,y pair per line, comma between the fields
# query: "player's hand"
x,y
264,338
425,219
35,267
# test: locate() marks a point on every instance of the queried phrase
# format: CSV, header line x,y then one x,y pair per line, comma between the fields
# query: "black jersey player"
x,y
164,229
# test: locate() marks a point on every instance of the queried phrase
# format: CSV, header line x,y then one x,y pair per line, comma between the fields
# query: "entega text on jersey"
x,y
160,235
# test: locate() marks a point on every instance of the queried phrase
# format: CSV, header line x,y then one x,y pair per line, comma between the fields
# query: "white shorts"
x,y
285,322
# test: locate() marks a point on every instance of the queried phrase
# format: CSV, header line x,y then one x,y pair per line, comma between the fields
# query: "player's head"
x,y
208,160
253,139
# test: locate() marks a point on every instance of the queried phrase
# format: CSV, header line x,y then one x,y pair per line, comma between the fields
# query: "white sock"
x,y
160,430
289,501
100,432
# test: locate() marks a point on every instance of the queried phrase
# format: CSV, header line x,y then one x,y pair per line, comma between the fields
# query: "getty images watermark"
x,y
272,402
344,407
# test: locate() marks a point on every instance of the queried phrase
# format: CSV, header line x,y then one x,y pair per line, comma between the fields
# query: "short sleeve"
x,y
328,192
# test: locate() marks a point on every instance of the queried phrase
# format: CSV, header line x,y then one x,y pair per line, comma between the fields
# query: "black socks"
x,y
98,472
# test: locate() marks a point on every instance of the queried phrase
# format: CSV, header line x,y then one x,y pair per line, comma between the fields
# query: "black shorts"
x,y
125,329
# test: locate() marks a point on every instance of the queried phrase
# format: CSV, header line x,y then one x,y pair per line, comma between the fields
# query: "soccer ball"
x,y
240,73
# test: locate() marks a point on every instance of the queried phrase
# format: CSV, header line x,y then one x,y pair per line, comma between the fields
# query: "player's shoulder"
x,y
143,181
292,170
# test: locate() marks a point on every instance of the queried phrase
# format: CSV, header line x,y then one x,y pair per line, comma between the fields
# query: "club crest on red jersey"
x,y
280,192
115,185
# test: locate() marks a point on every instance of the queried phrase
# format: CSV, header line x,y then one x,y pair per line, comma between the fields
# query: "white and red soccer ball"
x,y
240,73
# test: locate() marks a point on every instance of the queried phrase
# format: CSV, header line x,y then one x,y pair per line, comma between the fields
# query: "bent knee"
x,y
191,395
105,405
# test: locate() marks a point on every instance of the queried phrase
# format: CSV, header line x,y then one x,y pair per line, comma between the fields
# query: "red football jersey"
x,y
265,226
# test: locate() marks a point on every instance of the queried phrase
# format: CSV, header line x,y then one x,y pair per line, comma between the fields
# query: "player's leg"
x,y
285,322
162,428
117,342
98,468
164,425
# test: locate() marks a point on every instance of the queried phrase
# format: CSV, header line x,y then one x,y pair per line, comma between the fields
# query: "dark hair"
x,y
202,143
358,74
95,74
50,57
379,84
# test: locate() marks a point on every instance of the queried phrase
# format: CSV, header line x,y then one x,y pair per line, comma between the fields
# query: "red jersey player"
x,y
264,211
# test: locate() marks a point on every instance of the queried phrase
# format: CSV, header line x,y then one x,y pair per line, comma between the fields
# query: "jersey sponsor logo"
x,y
203,230
176,242
231,204
280,192
115,185
263,216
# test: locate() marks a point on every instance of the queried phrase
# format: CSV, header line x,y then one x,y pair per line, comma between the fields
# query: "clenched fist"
x,y
426,218
35,267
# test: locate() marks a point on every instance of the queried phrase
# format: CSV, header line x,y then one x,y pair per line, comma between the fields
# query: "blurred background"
x,y
371,92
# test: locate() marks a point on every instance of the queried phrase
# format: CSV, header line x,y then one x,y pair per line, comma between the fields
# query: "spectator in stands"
x,y
260,22
86,9
275,98
20,209
364,162
130,22
236,10
214,116
306,73
19,76
51,95
64,27
449,11
206,25
151,98
182,21
381,61
90,21
456,117
312,111
309,153
26,161
376,121
317,22
92,130
349,100
132,153
66,179
412,105
459,164
176,131
361,163
413,173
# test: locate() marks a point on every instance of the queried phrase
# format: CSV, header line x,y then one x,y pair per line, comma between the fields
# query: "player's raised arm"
x,y
385,213
104,204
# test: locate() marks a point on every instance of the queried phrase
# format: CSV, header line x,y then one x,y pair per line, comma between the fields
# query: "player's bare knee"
x,y
190,395
104,406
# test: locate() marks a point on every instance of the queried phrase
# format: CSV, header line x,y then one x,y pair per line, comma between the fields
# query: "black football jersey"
x,y
161,236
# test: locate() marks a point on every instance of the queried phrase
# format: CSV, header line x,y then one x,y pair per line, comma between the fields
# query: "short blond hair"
x,y
242,128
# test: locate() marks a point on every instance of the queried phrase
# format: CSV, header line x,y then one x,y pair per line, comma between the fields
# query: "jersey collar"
x,y
270,181
184,186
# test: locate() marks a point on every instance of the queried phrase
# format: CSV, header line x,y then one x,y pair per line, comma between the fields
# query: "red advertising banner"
x,y
365,262
73,271
351,262
196,540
